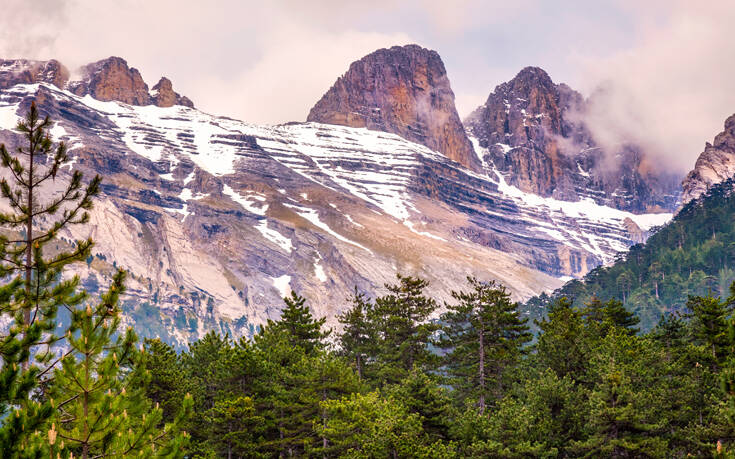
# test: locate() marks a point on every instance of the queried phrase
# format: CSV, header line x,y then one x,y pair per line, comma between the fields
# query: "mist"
x,y
672,91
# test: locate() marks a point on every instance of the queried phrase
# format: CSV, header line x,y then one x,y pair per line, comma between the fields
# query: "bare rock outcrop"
x,y
533,131
23,71
714,165
112,79
106,80
164,96
403,90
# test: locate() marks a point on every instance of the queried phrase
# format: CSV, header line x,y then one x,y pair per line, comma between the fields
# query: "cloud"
x,y
28,29
672,90
260,62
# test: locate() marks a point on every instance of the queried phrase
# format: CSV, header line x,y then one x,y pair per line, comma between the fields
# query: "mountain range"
x,y
216,219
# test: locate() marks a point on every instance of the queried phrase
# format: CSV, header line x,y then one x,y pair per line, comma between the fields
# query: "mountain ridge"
x,y
217,219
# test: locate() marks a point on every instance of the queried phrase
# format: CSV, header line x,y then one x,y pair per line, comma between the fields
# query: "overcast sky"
x,y
669,68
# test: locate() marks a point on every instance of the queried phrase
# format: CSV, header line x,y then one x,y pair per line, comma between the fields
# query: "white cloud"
x,y
672,90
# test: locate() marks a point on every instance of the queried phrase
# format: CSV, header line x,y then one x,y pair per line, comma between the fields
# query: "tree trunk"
x,y
85,404
29,242
481,369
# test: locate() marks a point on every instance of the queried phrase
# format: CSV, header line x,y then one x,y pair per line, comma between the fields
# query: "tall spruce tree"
x,y
709,322
35,289
357,341
299,325
405,332
484,336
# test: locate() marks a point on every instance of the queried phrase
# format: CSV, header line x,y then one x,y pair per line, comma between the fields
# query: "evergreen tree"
x,y
299,325
563,344
484,336
358,338
709,322
421,394
169,383
604,316
370,426
99,390
404,329
234,428
626,417
34,290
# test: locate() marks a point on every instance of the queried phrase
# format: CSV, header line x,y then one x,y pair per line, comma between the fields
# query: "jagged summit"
x,y
532,130
402,90
714,165
105,80
24,71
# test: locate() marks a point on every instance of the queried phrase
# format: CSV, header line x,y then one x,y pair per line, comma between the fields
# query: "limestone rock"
x,y
23,71
714,165
533,132
403,90
164,96
112,79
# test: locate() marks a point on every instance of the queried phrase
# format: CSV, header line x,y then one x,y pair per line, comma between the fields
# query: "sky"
x,y
666,68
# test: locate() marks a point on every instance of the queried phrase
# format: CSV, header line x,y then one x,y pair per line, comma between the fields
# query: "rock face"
x,y
105,80
532,131
22,71
402,90
112,79
714,165
164,95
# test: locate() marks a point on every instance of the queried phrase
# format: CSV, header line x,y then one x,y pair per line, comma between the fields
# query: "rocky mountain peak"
x,y
714,165
402,90
23,71
533,131
164,96
112,79
105,80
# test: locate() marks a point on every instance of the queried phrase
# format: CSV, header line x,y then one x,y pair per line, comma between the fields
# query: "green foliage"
x,y
403,329
33,289
298,325
98,391
372,426
484,337
358,338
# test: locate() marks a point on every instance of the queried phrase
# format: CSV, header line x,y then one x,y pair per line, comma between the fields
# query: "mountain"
x,y
105,80
217,219
714,165
403,90
533,132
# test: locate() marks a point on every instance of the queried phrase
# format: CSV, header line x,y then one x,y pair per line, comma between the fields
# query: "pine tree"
x,y
405,332
169,383
709,322
484,336
626,405
358,338
99,390
234,428
421,394
299,325
610,314
563,343
368,425
34,290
